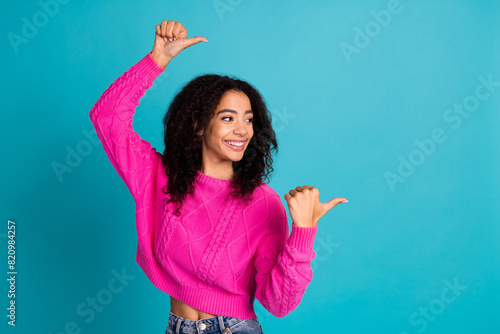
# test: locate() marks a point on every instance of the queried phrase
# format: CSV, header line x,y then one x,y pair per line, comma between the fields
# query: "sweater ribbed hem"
x,y
148,69
201,297
302,238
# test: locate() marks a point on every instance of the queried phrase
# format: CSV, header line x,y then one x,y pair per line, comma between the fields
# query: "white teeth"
x,y
234,143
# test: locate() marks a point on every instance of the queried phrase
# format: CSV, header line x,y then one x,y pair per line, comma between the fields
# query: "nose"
x,y
240,128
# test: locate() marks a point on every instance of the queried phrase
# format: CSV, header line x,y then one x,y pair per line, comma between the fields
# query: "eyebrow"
x,y
234,111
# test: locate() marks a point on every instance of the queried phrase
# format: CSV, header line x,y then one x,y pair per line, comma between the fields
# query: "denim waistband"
x,y
212,325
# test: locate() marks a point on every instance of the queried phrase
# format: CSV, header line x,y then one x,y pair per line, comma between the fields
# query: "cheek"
x,y
216,138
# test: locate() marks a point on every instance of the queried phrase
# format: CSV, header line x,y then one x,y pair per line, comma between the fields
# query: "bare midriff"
x,y
185,311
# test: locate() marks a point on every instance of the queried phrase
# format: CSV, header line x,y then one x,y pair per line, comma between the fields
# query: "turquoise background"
x,y
344,122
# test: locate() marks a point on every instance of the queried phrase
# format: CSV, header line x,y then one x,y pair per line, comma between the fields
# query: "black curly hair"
x,y
190,112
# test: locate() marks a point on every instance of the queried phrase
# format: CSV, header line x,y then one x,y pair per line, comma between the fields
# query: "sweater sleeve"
x,y
133,158
283,262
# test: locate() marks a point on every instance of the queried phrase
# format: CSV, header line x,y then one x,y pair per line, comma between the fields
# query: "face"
x,y
230,130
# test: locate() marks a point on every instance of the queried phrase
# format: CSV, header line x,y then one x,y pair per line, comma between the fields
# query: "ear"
x,y
194,127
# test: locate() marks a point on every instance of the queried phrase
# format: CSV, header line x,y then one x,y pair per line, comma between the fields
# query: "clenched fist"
x,y
170,39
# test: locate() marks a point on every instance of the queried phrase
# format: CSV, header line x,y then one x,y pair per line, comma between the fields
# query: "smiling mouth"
x,y
235,145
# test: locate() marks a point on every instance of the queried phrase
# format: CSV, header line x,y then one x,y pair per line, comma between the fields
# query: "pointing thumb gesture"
x,y
305,208
170,39
334,201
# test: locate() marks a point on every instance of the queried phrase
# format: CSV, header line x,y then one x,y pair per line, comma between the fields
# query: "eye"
x,y
249,120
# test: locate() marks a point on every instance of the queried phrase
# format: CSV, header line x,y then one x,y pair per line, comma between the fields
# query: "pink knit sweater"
x,y
218,256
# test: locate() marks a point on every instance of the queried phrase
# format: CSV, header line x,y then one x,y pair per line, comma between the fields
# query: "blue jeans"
x,y
216,325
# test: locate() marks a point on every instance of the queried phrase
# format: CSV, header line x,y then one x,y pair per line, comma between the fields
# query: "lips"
x,y
230,144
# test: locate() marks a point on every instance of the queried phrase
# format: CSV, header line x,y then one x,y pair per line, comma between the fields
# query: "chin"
x,y
235,159
235,156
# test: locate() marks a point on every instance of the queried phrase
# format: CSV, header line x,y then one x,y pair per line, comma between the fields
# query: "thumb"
x,y
334,201
194,40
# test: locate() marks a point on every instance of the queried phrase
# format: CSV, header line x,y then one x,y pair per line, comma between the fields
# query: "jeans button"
x,y
203,326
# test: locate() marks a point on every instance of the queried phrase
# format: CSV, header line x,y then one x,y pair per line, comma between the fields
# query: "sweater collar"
x,y
209,179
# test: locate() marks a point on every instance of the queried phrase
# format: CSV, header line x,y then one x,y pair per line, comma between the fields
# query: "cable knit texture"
x,y
219,255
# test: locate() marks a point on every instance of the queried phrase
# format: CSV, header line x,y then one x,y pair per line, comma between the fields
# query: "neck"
x,y
218,173
216,166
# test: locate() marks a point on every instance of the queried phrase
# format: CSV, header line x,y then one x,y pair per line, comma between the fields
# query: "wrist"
x,y
160,59
304,224
302,238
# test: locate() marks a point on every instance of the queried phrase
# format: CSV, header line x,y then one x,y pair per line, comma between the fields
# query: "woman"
x,y
211,233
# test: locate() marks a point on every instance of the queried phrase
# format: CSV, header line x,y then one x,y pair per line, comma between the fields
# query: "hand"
x,y
305,208
170,39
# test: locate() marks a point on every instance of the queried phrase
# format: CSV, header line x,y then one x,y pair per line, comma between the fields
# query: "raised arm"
x,y
134,158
